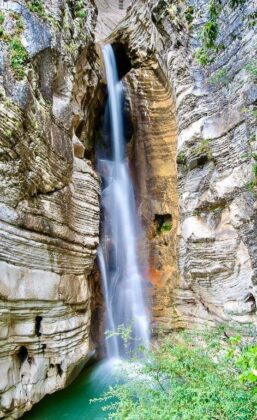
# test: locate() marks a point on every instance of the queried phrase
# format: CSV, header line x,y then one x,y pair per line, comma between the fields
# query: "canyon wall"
x,y
193,154
49,197
215,145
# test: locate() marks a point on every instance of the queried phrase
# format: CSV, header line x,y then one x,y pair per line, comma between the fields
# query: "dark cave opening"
x,y
122,59
59,369
22,354
163,223
38,320
251,299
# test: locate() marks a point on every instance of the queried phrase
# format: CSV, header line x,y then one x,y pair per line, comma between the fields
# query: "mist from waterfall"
x,y
121,274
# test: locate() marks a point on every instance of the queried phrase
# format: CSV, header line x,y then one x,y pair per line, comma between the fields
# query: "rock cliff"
x,y
49,196
193,152
211,128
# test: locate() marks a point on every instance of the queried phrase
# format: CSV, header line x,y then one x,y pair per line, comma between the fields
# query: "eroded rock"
x,y
49,211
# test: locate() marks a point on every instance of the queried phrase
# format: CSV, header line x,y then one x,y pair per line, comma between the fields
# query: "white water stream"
x,y
122,277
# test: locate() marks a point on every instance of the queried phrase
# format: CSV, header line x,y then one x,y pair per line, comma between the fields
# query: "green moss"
x,y
19,22
166,227
18,57
236,3
251,186
252,19
163,223
1,18
203,148
8,134
36,6
210,31
181,158
80,11
203,57
220,78
189,14
251,68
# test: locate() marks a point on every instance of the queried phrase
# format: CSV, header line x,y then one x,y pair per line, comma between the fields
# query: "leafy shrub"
x,y
220,78
189,377
181,158
80,10
210,30
18,57
203,57
36,6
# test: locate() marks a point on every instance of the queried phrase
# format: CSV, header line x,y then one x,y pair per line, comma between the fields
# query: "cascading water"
x,y
122,278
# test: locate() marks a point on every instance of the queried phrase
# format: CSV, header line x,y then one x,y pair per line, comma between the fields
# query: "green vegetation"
x,y
203,148
163,223
236,3
210,31
19,22
18,54
1,23
36,6
220,78
189,377
80,11
250,111
1,18
252,19
18,57
251,186
181,158
189,14
252,69
166,227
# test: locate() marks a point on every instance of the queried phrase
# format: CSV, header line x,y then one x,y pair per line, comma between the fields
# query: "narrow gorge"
x,y
156,238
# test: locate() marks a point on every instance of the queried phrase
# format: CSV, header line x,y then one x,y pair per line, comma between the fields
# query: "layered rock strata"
x,y
216,135
49,197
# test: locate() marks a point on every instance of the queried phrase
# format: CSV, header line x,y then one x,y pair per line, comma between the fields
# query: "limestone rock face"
x,y
110,13
215,146
49,198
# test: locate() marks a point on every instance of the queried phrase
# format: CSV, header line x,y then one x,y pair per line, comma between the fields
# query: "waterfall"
x,y
121,274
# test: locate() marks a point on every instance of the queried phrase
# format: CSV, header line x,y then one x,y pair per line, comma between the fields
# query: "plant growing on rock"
x,y
36,6
80,11
18,57
19,22
220,78
1,18
181,158
251,68
210,31
204,149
